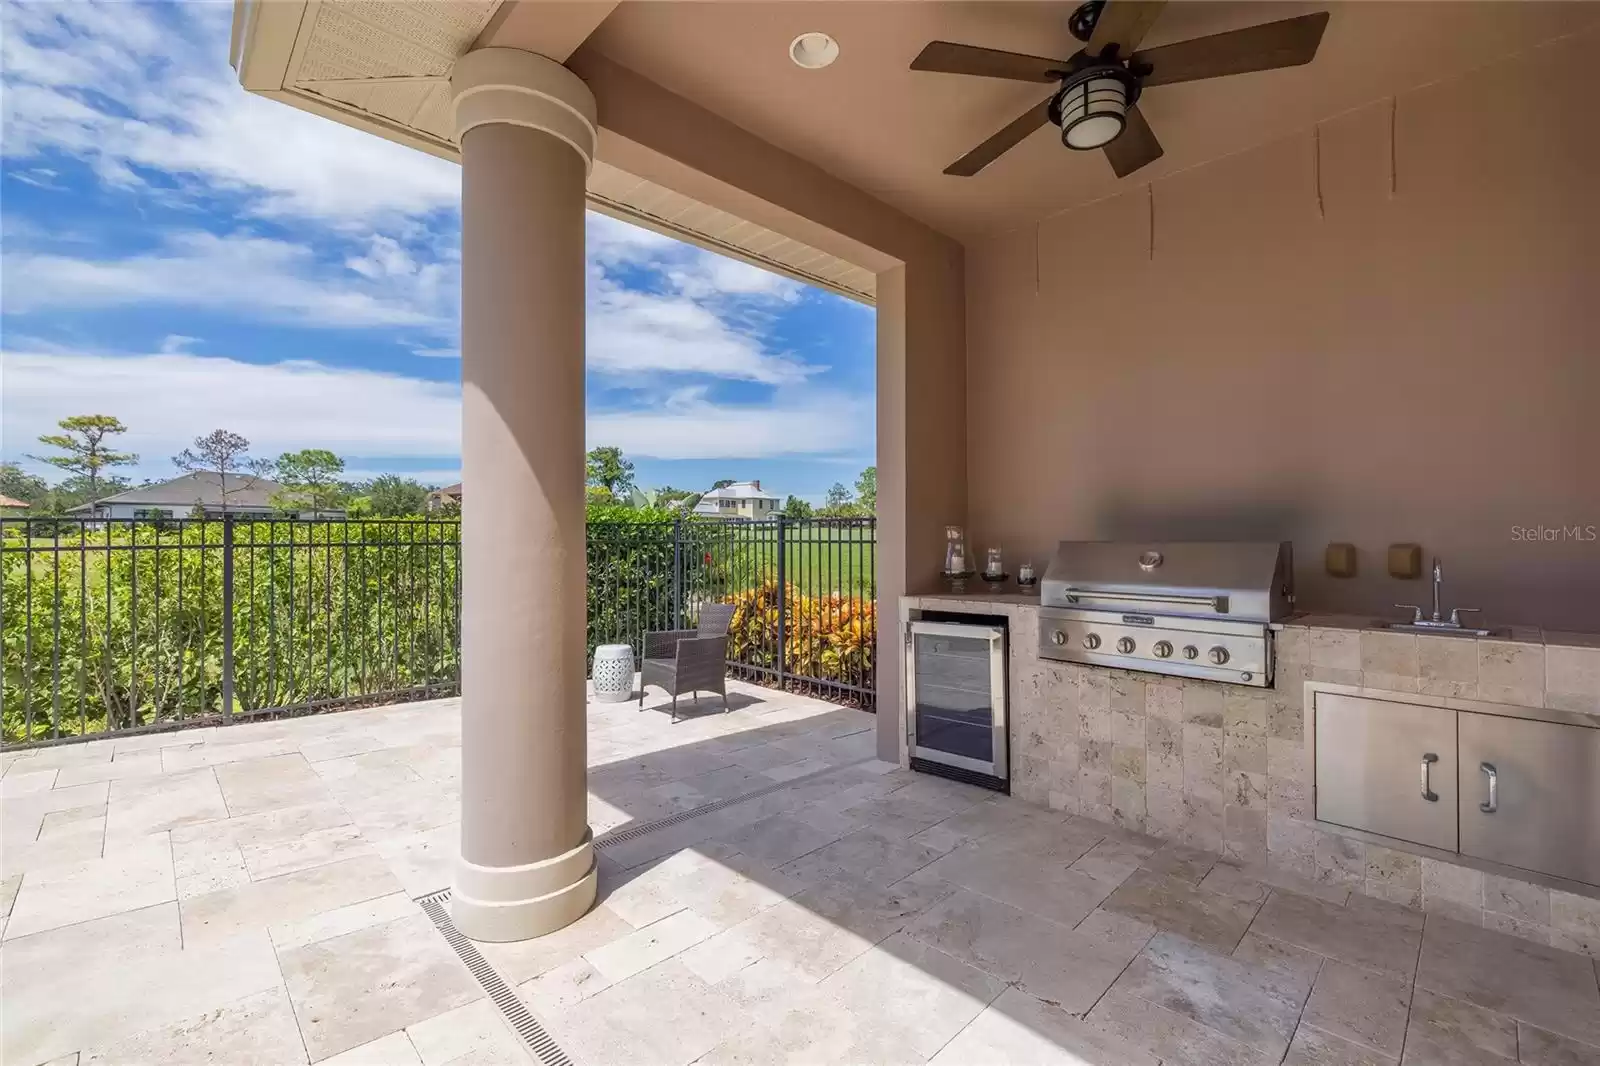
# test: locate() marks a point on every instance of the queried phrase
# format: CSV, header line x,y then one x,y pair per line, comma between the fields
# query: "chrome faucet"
x,y
1436,621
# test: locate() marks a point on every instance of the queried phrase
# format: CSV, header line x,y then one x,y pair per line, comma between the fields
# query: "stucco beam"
x,y
553,28
662,137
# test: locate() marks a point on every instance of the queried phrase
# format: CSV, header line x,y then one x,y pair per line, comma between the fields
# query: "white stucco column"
x,y
527,130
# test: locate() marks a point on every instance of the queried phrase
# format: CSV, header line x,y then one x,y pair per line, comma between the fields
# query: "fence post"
x,y
677,571
783,604
227,615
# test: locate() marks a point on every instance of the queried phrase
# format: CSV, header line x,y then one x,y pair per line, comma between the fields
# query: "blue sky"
x,y
186,256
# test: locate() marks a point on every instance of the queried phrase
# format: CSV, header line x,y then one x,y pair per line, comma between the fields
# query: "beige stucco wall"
x,y
1388,346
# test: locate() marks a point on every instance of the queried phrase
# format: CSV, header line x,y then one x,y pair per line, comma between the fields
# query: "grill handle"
x,y
1216,603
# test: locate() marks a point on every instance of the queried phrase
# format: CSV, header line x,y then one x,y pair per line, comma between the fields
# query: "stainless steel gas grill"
x,y
1191,609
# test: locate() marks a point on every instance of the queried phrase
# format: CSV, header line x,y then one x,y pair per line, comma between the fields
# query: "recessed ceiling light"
x,y
814,50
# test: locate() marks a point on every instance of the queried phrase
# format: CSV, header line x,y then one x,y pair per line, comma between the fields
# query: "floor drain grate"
x,y
516,1013
633,832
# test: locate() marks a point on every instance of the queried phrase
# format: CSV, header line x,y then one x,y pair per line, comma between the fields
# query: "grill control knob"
x,y
1058,637
1125,645
1191,652
1218,655
1163,649
1092,641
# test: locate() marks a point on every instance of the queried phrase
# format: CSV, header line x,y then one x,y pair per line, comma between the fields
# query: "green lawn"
x,y
817,559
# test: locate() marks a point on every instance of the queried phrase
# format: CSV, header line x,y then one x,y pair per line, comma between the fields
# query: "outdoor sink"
x,y
1440,630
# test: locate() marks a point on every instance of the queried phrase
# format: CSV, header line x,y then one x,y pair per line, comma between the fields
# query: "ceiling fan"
x,y
1096,99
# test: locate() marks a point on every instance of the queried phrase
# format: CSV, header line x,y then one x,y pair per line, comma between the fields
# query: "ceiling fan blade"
x,y
1002,142
1135,146
1123,23
1288,43
948,58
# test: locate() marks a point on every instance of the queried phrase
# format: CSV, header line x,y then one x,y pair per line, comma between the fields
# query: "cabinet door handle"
x,y
1492,804
1427,792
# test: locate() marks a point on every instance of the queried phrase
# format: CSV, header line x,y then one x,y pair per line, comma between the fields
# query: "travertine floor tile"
x,y
393,1049
108,997
1048,889
257,1029
24,781
1539,1048
665,1016
1361,1006
1068,967
286,898
865,856
1019,1030
929,995
475,1034
1270,954
57,952
1170,1036
200,872
356,987
326,925
316,848
139,806
422,861
1550,988
780,838
1444,1030
572,982
795,936
521,960
1181,863
643,948
1250,1004
1313,1047
1181,907
139,875
1338,933
261,829
131,764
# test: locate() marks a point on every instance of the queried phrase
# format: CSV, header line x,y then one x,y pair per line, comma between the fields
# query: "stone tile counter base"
x,y
1226,767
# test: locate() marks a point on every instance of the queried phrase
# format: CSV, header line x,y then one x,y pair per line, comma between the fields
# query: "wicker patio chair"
x,y
689,660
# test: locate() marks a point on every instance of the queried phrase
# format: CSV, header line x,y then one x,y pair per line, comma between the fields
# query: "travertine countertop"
x,y
980,597
1526,666
1506,635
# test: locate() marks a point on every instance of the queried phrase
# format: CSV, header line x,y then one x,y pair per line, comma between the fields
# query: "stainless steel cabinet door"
x,y
1387,768
1544,812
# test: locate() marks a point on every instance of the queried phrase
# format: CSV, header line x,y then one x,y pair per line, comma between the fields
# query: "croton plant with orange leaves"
x,y
830,637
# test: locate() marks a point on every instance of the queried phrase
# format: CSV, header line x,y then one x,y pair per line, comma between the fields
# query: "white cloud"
x,y
804,422
131,86
176,343
252,276
689,320
167,399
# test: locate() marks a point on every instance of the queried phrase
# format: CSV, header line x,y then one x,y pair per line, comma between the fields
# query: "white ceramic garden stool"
x,y
613,673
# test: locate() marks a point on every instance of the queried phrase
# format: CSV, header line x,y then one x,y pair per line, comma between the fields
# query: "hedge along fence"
x,y
111,626
123,625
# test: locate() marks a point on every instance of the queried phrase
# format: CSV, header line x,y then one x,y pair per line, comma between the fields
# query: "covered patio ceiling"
x,y
867,119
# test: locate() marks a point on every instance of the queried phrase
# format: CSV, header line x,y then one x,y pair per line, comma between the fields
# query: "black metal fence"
x,y
129,625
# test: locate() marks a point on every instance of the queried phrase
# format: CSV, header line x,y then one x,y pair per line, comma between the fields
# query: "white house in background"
x,y
742,500
248,496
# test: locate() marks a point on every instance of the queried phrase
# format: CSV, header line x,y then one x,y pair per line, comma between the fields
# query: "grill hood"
x,y
1235,581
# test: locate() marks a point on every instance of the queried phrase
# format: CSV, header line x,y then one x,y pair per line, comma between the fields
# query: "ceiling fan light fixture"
x,y
1092,109
814,50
